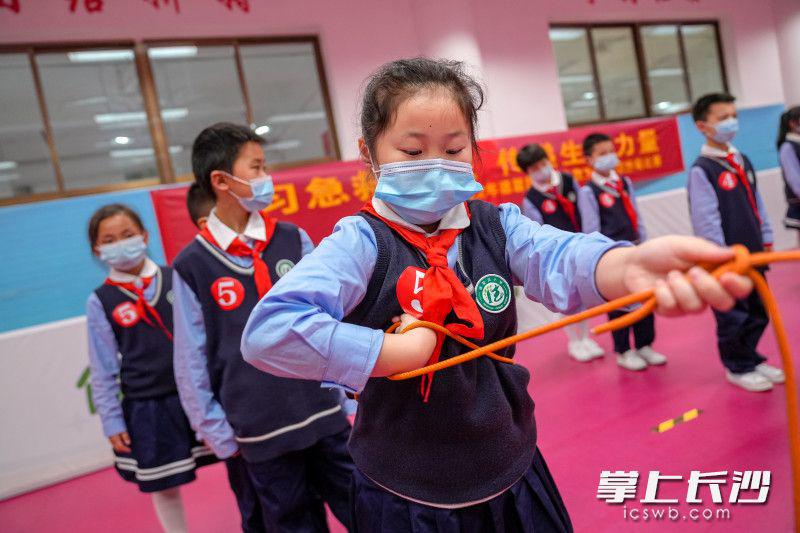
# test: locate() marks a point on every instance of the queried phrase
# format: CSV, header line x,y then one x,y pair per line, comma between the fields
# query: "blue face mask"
x,y
606,163
423,191
262,189
726,130
125,254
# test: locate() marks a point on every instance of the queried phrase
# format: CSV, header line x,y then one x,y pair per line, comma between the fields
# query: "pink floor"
x,y
591,417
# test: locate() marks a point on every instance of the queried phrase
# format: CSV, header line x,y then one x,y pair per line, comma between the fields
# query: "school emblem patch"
x,y
727,181
282,267
549,206
492,293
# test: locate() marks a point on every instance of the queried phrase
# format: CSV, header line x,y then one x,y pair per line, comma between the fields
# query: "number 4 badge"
x,y
409,291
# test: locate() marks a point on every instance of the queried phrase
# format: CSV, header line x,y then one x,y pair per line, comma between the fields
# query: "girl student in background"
x,y
455,451
130,315
789,151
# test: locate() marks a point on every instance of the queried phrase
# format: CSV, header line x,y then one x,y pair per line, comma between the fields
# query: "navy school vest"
x,y
476,435
146,364
614,221
739,223
552,212
270,415
793,210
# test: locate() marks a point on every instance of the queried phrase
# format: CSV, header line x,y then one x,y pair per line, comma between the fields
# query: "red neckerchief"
x,y
143,307
742,175
442,290
566,205
240,249
618,186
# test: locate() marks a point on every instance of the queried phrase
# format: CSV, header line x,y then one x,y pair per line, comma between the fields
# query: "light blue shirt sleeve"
x,y
104,365
704,207
791,167
530,211
307,245
590,211
556,268
295,331
191,372
766,226
639,218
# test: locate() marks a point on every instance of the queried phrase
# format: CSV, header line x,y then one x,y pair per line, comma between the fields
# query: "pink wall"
x,y
504,41
787,18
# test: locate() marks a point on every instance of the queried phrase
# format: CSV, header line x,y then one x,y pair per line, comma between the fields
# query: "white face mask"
x,y
543,175
124,254
261,188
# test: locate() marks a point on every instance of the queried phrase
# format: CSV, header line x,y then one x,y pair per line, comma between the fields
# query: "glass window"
x,y
680,62
662,55
618,71
571,48
702,59
197,86
97,117
287,101
25,166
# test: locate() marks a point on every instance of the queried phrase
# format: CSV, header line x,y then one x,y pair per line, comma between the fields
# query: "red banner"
x,y
316,197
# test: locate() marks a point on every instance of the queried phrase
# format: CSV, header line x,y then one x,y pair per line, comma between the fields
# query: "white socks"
x,y
169,508
577,332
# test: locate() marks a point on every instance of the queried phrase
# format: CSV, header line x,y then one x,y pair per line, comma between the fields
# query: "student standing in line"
x,y
608,205
789,150
129,319
553,200
726,209
284,441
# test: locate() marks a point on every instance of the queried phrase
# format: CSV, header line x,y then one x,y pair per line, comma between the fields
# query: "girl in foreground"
x,y
454,452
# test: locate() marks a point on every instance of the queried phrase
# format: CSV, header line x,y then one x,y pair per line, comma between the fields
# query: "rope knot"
x,y
741,259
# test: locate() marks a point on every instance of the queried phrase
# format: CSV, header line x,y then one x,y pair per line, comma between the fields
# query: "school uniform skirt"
x,y
164,450
792,219
533,504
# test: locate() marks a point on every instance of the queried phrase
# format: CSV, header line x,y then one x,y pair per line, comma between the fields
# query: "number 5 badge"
x,y
409,291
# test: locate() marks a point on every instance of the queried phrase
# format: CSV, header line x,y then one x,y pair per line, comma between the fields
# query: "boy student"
x,y
726,208
553,199
199,204
608,205
284,440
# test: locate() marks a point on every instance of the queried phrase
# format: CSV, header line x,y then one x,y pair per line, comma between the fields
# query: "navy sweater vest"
x,y
146,364
552,212
793,211
614,221
270,415
476,435
739,223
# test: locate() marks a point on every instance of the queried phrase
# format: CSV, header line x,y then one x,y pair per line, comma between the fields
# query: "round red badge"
x,y
606,200
727,181
409,291
228,293
549,206
125,314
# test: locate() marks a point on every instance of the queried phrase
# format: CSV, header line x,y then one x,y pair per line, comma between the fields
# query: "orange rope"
x,y
744,263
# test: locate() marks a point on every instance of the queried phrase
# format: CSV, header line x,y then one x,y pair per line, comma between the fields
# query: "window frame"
x,y
148,91
641,65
